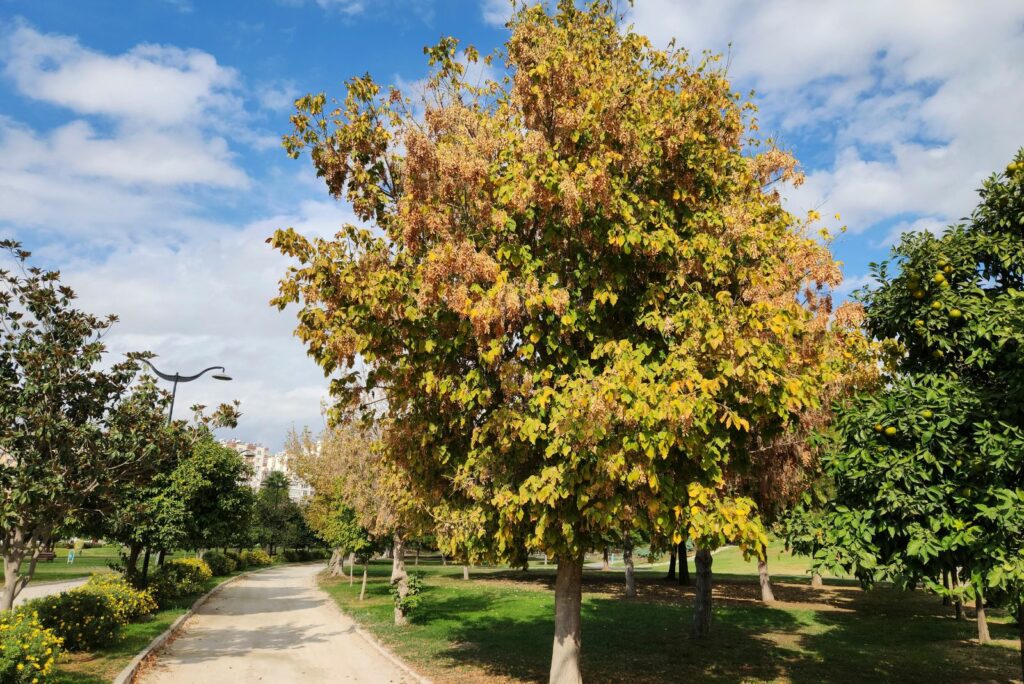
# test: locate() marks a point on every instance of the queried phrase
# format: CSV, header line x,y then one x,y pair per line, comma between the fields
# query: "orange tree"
x,y
579,294
929,474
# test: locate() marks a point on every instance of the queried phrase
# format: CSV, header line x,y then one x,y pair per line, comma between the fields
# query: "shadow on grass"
x,y
840,634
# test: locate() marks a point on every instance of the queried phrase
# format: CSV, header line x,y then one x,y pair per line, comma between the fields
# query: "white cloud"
x,y
145,138
152,84
204,301
496,12
921,99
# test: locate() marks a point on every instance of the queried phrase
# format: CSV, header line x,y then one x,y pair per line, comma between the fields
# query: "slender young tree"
x,y
580,296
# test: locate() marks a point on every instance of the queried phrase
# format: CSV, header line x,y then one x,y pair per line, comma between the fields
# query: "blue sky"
x,y
139,142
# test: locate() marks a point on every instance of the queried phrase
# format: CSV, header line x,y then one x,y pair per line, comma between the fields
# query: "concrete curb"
x,y
372,641
127,675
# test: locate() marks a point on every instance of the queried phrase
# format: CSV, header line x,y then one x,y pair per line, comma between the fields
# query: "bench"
x,y
47,556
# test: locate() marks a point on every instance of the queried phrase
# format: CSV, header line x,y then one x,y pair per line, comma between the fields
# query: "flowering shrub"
x,y
257,557
28,651
128,602
84,620
179,578
219,563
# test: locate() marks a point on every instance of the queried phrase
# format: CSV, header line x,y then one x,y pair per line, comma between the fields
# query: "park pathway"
x,y
271,626
34,590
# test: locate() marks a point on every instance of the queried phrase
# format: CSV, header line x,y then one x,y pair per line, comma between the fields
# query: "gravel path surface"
x,y
34,590
272,626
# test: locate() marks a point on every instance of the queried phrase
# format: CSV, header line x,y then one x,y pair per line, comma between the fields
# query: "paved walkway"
x,y
34,590
272,626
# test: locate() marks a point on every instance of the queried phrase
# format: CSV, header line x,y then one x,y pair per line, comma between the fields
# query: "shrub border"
x,y
127,675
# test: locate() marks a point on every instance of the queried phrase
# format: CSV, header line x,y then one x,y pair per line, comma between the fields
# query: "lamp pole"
x,y
178,377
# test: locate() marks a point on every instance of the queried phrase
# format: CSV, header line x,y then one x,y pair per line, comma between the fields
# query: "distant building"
x,y
263,463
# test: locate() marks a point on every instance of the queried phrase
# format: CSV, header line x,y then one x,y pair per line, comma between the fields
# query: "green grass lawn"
x,y
86,562
498,628
101,667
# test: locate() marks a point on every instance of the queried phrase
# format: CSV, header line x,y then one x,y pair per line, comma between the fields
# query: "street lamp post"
x,y
178,377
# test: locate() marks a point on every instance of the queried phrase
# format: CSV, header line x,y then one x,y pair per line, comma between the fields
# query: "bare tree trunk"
x,y
362,591
671,564
145,566
399,577
336,564
444,561
958,603
351,569
604,560
417,556
12,578
816,581
945,584
627,560
160,556
465,572
979,616
1020,635
684,563
565,653
767,595
131,567
702,593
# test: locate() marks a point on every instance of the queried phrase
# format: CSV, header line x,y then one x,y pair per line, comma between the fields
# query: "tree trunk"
x,y
671,564
444,561
362,591
684,563
816,581
767,595
399,577
132,564
945,584
160,557
1020,635
351,569
979,616
417,556
604,560
12,578
145,566
565,653
465,572
334,565
627,560
702,593
958,603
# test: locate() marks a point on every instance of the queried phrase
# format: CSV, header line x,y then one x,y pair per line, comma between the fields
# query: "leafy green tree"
x,y
150,513
582,296
211,485
928,473
278,519
70,429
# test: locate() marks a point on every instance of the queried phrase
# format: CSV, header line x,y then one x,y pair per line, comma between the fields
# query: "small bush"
x,y
129,603
411,601
278,558
240,563
219,563
28,651
178,578
256,557
84,620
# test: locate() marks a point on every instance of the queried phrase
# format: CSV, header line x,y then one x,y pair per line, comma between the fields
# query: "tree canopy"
x,y
928,474
581,294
